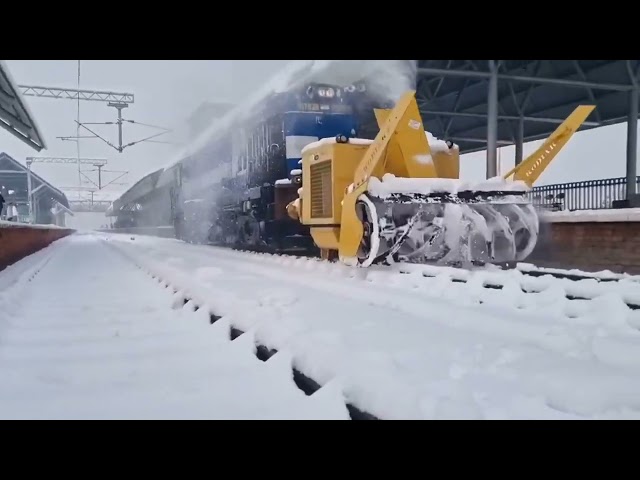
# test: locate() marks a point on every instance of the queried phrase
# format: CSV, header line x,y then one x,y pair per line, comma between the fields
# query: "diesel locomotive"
x,y
235,189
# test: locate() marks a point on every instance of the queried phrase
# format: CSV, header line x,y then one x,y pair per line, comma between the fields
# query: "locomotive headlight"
x,y
327,92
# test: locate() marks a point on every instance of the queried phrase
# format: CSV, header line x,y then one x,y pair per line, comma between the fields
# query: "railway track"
x,y
530,280
393,338
524,268
577,285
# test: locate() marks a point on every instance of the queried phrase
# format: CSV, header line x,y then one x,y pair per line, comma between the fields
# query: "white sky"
x,y
166,92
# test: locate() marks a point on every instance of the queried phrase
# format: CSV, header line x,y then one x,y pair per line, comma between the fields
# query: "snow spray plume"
x,y
386,80
390,79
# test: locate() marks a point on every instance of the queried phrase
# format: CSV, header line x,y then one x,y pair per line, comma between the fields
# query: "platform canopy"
x,y
533,96
13,178
15,115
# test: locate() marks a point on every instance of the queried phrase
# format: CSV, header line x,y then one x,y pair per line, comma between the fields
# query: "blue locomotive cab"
x,y
303,128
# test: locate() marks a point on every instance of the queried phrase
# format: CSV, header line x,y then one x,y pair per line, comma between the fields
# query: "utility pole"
x,y
99,163
81,189
119,106
117,100
99,175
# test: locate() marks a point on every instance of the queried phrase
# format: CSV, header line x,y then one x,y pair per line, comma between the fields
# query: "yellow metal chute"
x,y
535,164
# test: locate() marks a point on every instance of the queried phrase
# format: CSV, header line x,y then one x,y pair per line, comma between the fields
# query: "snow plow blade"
x,y
472,226
398,197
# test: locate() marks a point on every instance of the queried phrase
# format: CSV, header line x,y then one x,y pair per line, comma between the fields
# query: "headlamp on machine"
x,y
323,91
358,87
326,92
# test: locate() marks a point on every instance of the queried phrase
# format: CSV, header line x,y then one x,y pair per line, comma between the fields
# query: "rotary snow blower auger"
x,y
398,198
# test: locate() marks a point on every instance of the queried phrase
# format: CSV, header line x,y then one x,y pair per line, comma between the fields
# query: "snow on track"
x,y
86,334
422,345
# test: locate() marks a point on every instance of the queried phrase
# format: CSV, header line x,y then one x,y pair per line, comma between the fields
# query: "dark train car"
x,y
234,190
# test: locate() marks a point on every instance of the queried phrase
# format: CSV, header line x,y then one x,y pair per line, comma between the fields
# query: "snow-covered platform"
x,y
84,333
119,326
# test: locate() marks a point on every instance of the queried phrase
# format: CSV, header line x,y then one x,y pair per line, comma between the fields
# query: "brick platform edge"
x,y
589,245
17,242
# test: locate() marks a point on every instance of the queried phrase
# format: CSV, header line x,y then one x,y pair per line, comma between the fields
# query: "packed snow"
x,y
331,141
85,334
412,341
436,145
602,275
424,159
604,215
390,184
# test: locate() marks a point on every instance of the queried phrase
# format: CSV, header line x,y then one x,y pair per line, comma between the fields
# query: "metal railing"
x,y
585,195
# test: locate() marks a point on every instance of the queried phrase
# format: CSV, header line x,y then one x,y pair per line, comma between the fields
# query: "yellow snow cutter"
x,y
399,197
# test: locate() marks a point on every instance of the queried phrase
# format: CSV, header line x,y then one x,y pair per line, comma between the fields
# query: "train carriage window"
x,y
253,144
265,138
259,139
276,132
256,143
